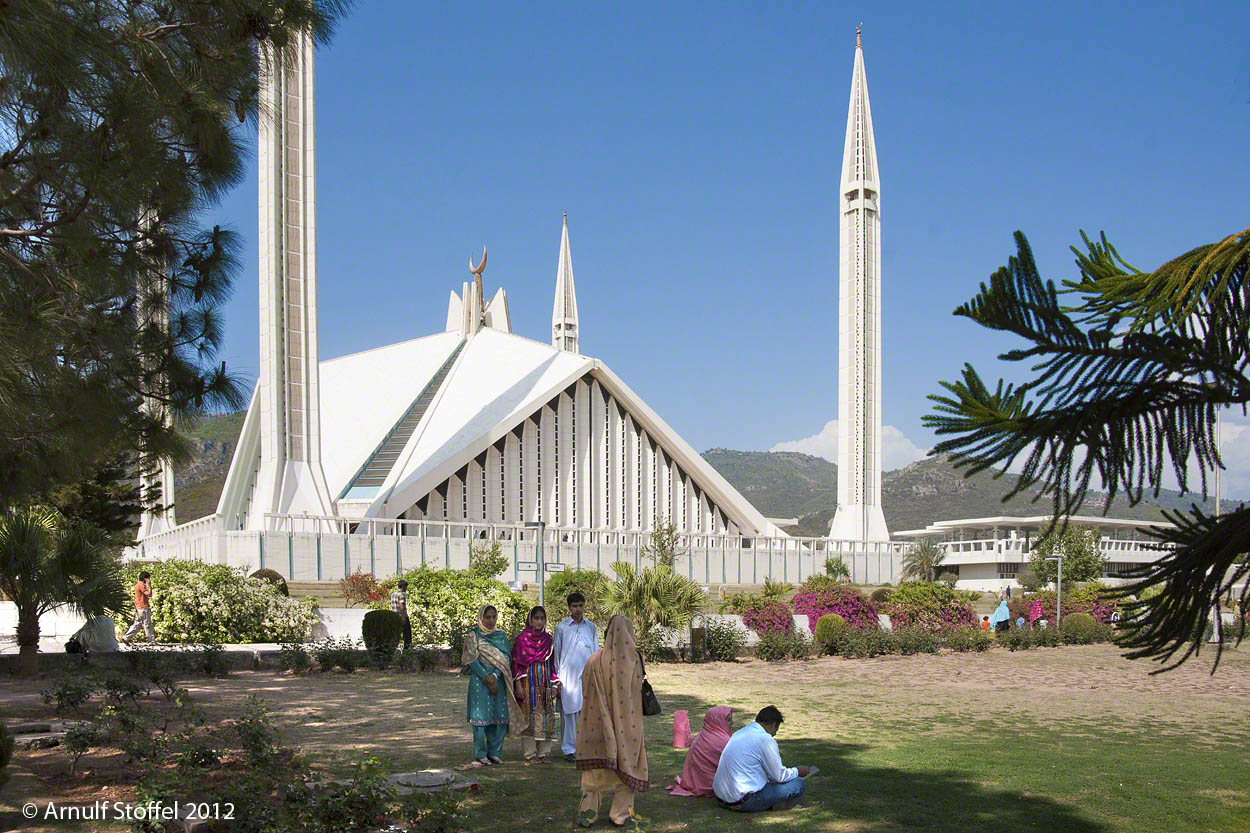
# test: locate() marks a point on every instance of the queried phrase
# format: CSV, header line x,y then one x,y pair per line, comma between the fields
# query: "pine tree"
x,y
1125,381
121,122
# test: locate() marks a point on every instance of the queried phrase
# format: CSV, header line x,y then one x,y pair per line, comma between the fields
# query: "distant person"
x,y
537,686
1019,623
1035,612
985,624
399,604
1001,619
143,609
750,777
611,743
1009,591
705,753
575,640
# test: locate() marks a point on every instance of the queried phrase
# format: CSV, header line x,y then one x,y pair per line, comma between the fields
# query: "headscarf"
x,y
491,647
704,755
532,645
1001,614
1035,612
609,729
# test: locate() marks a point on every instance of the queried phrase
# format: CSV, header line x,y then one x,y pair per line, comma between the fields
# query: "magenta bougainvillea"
x,y
769,617
847,602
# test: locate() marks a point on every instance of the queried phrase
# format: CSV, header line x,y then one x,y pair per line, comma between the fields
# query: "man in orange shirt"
x,y
143,609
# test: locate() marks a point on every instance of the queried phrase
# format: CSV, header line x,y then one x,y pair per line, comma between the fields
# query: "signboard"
x,y
554,567
527,565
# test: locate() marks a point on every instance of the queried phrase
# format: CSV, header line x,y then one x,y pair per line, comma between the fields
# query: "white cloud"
x,y
896,449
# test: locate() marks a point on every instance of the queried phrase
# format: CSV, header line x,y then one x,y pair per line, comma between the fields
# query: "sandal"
x,y
473,764
495,760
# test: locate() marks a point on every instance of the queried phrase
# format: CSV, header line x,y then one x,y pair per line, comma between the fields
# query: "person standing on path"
x,y
575,640
537,686
143,609
399,604
491,706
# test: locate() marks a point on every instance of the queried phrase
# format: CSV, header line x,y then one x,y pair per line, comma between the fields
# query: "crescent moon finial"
x,y
477,270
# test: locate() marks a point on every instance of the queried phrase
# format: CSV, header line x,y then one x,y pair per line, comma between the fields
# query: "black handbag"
x,y
650,704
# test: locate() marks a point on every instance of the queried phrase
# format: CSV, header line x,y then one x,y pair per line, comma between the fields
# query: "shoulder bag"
x,y
650,705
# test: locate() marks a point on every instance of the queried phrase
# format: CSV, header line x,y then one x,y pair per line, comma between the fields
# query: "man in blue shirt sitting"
x,y
750,776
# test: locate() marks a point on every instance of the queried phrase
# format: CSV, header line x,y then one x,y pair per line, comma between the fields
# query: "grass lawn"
x,y
1067,740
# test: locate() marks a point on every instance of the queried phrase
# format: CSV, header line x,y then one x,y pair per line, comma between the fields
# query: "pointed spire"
x,y
564,312
859,164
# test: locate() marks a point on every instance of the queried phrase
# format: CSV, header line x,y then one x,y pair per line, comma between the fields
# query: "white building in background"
x,y
859,515
988,553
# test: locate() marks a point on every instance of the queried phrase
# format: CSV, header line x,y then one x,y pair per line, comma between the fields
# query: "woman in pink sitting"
x,y
696,776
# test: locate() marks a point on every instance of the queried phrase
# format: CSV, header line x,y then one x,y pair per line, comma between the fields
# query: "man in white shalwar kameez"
x,y
575,640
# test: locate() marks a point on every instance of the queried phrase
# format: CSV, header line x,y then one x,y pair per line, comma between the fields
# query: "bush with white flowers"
x,y
443,604
197,602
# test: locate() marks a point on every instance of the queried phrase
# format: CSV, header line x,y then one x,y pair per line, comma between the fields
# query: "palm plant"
x,y
923,562
47,561
653,597
1125,382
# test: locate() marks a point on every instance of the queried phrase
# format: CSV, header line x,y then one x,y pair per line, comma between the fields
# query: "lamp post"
x,y
1217,624
541,526
1058,589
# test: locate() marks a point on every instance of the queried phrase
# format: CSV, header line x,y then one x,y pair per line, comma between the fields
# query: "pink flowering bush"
x,y
847,602
929,606
1093,598
769,617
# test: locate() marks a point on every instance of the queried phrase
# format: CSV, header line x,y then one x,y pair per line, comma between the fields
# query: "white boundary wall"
x,y
306,548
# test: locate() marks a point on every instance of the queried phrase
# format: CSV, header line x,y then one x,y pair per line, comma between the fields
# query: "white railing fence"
x,y
316,548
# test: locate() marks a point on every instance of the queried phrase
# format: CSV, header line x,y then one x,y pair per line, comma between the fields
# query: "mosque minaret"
x,y
859,516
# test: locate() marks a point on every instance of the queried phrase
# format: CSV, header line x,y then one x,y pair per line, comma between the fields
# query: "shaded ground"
x,y
1072,739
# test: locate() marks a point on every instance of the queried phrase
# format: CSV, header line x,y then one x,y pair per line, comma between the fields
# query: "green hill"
x,y
781,484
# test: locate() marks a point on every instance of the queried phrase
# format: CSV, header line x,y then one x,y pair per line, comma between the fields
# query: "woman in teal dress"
x,y
491,705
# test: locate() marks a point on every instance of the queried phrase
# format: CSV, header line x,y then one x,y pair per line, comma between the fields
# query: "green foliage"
x,y
429,812
294,657
47,560
780,645
381,631
357,805
1016,640
862,644
331,653
923,561
273,577
6,754
653,597
962,640
1082,555
81,738
820,582
590,583
880,596
909,641
930,605
119,687
70,692
449,602
487,560
776,589
1126,383
195,602
949,578
828,628
664,546
1079,628
837,569
724,640
1029,580
740,603
108,498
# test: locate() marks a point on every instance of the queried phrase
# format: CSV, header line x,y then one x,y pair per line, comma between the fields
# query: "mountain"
x,y
781,484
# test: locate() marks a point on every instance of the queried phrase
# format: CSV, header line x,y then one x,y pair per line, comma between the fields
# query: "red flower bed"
x,y
847,602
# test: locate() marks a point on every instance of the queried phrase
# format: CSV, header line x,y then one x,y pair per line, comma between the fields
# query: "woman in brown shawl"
x,y
611,751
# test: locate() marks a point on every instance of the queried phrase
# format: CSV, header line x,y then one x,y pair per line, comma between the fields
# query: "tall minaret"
x,y
290,479
564,312
859,516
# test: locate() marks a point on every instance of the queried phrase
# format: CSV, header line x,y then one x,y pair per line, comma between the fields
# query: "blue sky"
x,y
697,150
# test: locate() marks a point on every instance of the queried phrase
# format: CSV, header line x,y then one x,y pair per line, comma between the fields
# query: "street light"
x,y
541,526
1058,589
1217,623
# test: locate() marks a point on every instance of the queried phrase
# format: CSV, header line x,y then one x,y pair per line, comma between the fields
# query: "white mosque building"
x,y
411,453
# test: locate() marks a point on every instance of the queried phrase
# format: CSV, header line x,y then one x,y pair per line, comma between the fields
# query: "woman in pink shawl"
x,y
696,776
536,684
1035,611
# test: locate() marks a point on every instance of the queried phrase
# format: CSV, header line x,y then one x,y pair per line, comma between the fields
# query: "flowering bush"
x,y
769,617
443,604
360,587
847,602
1094,598
929,606
194,602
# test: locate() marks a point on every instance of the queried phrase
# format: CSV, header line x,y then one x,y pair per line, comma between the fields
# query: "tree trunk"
x,y
28,640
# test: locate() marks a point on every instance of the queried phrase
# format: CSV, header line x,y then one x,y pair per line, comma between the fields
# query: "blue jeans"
x,y
772,793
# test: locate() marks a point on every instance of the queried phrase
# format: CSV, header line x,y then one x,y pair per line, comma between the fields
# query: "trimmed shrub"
x,y
590,583
769,617
1078,629
863,644
828,628
778,645
1016,640
909,641
724,640
966,639
273,577
194,602
381,631
843,600
881,595
1045,637
928,605
293,657
448,605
